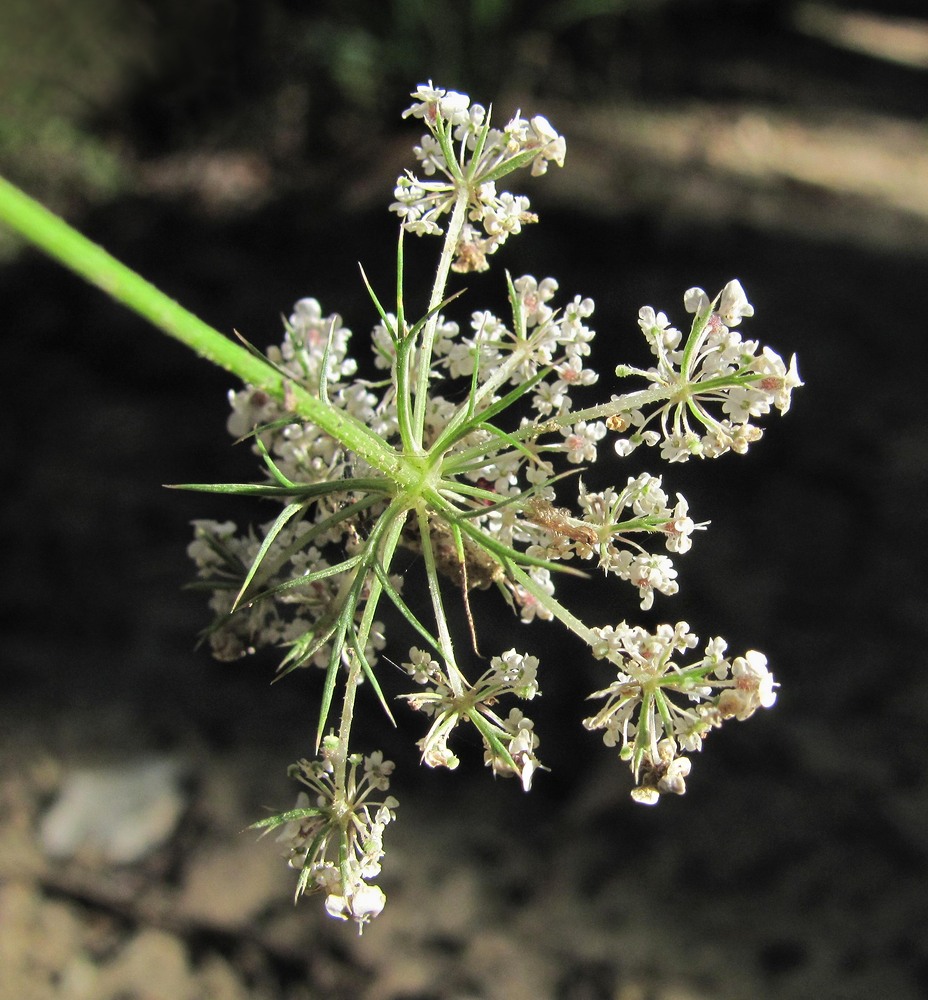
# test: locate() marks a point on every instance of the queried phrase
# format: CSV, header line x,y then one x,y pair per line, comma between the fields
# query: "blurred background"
x,y
241,156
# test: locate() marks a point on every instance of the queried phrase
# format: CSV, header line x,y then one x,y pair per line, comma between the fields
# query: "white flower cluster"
x,y
454,456
334,838
510,743
603,531
303,453
546,346
304,586
483,155
714,368
657,706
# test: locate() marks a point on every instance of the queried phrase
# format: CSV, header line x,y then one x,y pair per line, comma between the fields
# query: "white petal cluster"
x,y
433,103
717,384
333,856
659,706
482,156
509,743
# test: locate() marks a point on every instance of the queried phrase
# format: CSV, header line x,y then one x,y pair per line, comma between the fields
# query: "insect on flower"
x,y
559,521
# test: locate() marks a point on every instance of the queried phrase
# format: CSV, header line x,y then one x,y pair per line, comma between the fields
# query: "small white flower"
x,y
361,903
505,214
672,782
779,381
733,304
575,312
680,528
433,103
650,573
521,749
551,397
553,146
421,666
743,402
534,296
656,326
518,672
751,687
646,495
696,301
378,770
580,441
467,131
250,409
573,373
530,606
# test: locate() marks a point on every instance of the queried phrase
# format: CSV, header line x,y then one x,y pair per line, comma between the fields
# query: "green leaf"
x,y
507,556
307,645
269,462
516,162
331,673
480,142
488,732
493,501
404,609
400,264
272,822
419,324
384,318
261,356
304,490
444,140
324,526
286,515
515,303
312,577
358,647
324,366
463,422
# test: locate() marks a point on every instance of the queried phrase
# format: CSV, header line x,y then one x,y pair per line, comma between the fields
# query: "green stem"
x,y
384,559
553,605
694,341
403,348
630,401
452,237
60,241
344,729
441,622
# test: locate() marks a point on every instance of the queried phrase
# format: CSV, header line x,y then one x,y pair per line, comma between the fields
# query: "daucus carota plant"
x,y
462,453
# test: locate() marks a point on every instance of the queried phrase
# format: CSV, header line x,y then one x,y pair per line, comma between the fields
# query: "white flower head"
x,y
434,436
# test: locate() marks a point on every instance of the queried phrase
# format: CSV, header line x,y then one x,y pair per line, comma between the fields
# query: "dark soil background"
x,y
241,156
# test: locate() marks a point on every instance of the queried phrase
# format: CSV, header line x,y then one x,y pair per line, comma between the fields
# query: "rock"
x,y
117,814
